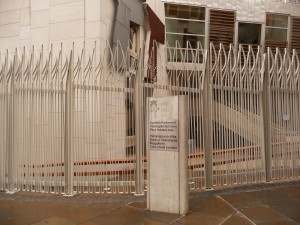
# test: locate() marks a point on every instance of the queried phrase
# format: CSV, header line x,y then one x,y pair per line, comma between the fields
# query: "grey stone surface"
x,y
217,207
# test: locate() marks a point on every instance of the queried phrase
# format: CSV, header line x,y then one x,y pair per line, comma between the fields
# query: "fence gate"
x,y
284,107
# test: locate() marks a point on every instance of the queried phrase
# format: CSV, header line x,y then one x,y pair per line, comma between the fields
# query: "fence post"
x,y
207,120
139,175
266,118
69,129
11,114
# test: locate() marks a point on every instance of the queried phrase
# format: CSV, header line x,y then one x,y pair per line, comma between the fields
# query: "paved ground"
x,y
267,204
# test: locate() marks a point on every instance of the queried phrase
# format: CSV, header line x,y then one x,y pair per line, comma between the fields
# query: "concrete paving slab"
x,y
167,218
32,212
228,207
290,208
120,216
238,219
242,200
247,204
88,223
283,222
291,191
4,204
6,216
282,201
262,214
198,202
79,214
140,205
201,219
149,222
216,207
237,197
54,221
268,196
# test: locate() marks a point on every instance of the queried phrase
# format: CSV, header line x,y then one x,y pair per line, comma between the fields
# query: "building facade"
x,y
27,23
75,122
267,23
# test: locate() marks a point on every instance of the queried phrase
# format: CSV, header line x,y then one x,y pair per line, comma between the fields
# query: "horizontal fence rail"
x,y
74,122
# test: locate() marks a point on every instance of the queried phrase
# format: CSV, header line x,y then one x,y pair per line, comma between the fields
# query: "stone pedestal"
x,y
167,150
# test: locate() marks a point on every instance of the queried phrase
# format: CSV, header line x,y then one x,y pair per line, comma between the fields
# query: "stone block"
x,y
108,9
103,31
25,43
68,45
39,5
40,18
25,16
90,45
39,37
10,5
92,29
9,43
67,12
92,9
9,17
57,2
24,32
9,30
67,30
109,26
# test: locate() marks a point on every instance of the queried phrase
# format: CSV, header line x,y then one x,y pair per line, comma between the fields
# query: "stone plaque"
x,y
167,154
163,135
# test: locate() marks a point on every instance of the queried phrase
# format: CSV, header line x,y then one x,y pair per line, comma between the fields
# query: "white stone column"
x,y
167,148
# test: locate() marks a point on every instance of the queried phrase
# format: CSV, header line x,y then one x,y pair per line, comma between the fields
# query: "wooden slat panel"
x,y
273,44
295,34
222,27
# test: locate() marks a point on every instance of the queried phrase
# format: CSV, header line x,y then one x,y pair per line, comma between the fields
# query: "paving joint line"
x,y
235,209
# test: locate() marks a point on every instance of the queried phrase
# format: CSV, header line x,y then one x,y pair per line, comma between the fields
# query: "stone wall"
x,y
45,22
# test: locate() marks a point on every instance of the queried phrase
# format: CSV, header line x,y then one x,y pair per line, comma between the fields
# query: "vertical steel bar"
x,y
207,112
11,162
139,179
69,129
265,104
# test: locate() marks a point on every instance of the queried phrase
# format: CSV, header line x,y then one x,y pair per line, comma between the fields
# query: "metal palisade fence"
x,y
75,122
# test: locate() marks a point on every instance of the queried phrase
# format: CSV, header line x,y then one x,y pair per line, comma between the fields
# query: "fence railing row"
x,y
74,122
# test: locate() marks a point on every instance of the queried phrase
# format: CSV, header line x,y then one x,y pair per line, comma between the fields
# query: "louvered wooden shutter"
x,y
222,27
295,34
273,44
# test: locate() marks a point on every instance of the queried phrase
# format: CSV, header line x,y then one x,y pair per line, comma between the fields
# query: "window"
x,y
276,31
129,80
133,37
130,116
276,27
130,119
133,46
185,26
249,33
